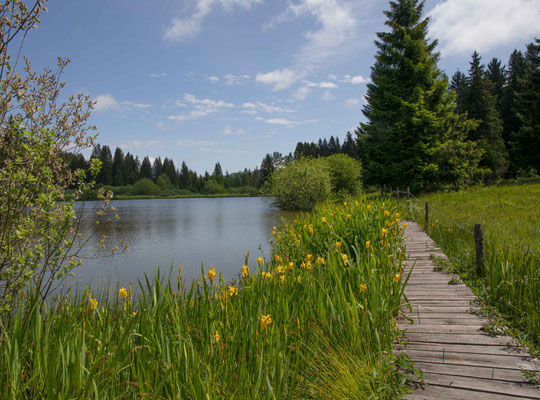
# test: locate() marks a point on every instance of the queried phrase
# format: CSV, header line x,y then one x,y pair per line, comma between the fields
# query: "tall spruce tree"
x,y
496,73
459,85
146,168
480,104
410,112
515,75
526,141
118,167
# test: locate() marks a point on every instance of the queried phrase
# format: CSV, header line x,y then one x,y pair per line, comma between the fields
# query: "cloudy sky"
x,y
231,80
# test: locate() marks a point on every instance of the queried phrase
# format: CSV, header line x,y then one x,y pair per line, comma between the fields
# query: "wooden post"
x,y
398,192
408,193
479,245
427,216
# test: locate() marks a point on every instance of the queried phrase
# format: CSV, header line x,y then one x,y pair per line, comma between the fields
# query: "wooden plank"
x,y
492,373
466,348
459,339
449,393
472,359
483,385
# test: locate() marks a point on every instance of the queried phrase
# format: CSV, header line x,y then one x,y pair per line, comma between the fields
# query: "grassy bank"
x,y
510,215
314,320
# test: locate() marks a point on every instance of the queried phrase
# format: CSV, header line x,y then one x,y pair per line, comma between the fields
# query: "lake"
x,y
172,232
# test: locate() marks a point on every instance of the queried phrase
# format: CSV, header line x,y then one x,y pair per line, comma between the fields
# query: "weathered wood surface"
x,y
450,343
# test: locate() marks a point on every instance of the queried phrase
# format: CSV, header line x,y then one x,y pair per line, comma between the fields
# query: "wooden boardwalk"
x,y
449,344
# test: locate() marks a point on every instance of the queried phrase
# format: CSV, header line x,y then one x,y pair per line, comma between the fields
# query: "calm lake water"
x,y
165,232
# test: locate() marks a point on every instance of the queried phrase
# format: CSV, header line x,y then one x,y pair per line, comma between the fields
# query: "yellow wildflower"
x,y
344,257
123,293
356,203
369,207
280,270
216,337
405,225
260,261
384,232
323,220
396,216
245,271
282,278
386,213
345,203
397,277
368,243
299,279
265,321
278,259
362,287
211,273
291,265
311,229
233,290
134,313
320,260
349,216
92,304
309,257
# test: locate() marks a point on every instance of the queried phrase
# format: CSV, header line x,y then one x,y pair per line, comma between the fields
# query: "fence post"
x,y
479,245
408,193
427,216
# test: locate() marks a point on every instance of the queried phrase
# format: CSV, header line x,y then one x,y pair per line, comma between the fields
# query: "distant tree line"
x,y
129,176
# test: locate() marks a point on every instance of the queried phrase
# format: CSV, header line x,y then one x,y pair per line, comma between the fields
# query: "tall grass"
x,y
509,214
314,320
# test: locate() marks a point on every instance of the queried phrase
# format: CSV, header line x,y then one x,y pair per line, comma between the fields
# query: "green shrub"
x,y
212,187
345,174
146,187
302,184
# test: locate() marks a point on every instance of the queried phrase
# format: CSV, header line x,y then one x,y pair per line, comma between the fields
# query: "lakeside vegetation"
x,y
509,215
314,319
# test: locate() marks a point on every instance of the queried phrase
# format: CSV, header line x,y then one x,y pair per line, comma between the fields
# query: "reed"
x,y
313,320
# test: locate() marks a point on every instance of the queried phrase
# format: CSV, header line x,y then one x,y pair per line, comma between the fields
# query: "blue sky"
x,y
203,81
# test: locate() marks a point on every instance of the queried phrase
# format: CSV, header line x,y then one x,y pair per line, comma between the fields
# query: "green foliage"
x,y
509,215
146,187
301,184
345,174
293,326
213,187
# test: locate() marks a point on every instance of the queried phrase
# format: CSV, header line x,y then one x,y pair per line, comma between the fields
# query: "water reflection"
x,y
168,232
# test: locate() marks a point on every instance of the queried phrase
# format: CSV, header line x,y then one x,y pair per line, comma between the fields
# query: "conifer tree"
x,y
515,75
157,168
105,175
459,85
410,112
526,141
496,73
118,167
480,104
146,168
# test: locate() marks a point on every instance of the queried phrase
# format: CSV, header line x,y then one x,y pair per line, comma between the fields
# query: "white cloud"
x,y
201,107
231,79
302,93
252,108
322,85
106,102
213,79
352,102
462,26
285,122
185,28
230,131
281,79
136,105
355,80
160,75
337,26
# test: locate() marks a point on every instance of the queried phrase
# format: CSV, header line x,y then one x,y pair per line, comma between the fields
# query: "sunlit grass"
x,y
313,320
510,215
